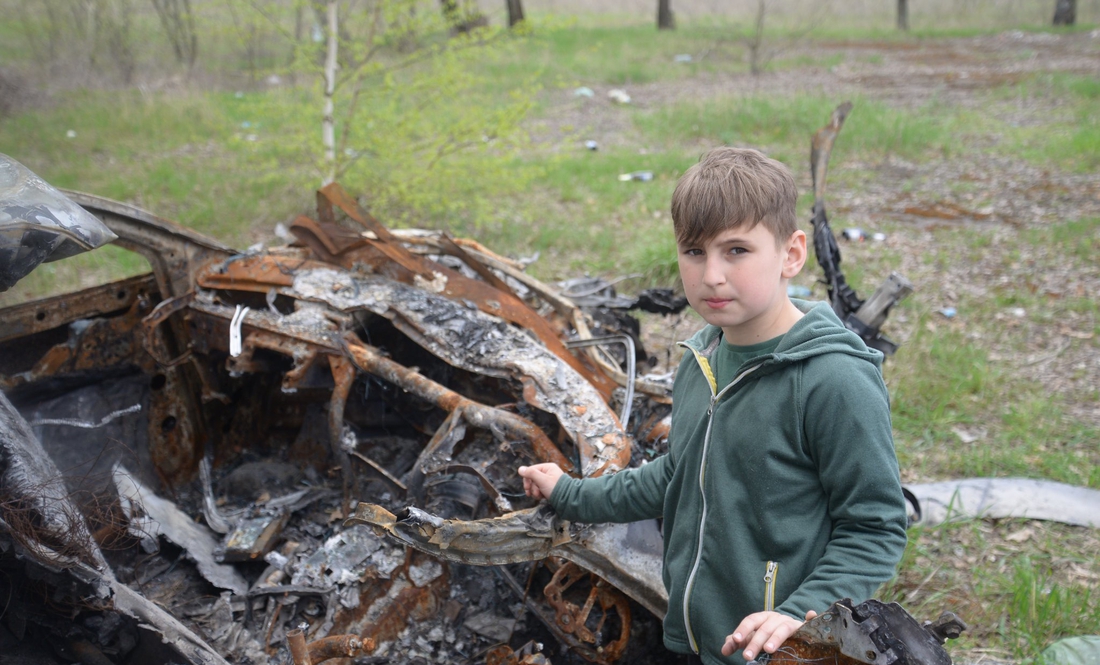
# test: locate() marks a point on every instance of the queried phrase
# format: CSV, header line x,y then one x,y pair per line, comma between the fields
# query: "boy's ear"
x,y
795,254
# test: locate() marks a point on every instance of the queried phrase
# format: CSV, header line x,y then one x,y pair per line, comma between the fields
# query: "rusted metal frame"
x,y
174,252
495,349
343,374
527,535
453,248
500,422
255,273
176,255
491,301
549,619
304,354
424,239
319,238
318,651
486,297
563,306
517,537
105,342
264,331
161,313
596,430
37,316
573,619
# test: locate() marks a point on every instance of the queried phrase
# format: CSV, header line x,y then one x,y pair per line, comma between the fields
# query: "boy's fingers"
x,y
771,635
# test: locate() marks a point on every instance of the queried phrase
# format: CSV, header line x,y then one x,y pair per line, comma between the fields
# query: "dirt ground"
x,y
913,200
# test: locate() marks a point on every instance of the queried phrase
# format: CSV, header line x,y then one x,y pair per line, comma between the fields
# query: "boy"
x,y
780,492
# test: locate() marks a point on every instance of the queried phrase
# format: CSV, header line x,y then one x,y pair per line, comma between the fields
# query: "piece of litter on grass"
x,y
965,436
70,134
878,237
641,176
682,57
618,96
583,92
1018,312
947,312
1020,536
854,234
591,145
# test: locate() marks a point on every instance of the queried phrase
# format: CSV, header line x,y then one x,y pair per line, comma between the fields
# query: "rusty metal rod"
x,y
338,646
299,650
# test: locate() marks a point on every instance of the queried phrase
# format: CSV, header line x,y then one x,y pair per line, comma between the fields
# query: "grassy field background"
x,y
974,146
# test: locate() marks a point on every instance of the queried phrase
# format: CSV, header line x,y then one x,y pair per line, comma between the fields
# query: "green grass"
x,y
1015,605
784,123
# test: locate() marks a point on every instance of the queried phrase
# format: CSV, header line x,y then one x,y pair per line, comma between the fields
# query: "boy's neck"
x,y
775,324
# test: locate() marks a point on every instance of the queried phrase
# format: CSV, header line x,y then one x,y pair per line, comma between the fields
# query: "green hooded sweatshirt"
x,y
780,491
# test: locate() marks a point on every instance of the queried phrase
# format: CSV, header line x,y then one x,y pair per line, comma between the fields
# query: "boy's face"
x,y
737,281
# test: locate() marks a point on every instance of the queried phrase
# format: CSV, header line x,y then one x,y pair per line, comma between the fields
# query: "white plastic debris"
x,y
641,176
584,92
235,330
618,96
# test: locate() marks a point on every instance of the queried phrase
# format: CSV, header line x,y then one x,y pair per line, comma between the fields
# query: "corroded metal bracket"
x,y
874,633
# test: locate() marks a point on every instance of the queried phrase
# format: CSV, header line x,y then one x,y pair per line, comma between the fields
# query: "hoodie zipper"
x,y
769,585
705,366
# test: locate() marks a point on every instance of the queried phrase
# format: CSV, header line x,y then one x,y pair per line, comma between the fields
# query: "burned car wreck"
x,y
308,453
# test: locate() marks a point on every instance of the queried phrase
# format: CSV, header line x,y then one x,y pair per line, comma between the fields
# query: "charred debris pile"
x,y
181,453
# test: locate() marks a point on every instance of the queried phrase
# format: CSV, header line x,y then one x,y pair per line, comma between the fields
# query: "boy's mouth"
x,y
717,303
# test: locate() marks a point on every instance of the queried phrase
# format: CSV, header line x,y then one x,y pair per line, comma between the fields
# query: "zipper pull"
x,y
769,585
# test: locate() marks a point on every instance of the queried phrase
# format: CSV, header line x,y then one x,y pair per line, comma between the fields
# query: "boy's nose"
x,y
714,273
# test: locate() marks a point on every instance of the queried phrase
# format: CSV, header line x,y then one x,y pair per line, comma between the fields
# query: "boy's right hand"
x,y
539,480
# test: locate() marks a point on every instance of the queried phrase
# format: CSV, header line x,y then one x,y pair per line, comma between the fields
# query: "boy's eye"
x,y
737,250
692,251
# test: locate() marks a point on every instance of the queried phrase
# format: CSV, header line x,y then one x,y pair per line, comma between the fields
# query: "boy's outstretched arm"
x,y
762,631
539,480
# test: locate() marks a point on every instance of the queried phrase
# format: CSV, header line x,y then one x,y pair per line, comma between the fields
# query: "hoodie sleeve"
x,y
626,496
848,435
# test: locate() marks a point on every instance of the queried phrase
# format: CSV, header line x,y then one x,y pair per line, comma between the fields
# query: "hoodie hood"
x,y
818,332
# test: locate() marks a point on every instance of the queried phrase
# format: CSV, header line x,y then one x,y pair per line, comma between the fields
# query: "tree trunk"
x,y
665,19
328,121
515,11
1065,12
903,15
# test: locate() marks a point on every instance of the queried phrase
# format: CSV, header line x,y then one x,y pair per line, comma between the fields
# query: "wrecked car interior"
x,y
307,453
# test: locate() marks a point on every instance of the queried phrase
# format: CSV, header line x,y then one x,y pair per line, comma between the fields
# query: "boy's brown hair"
x,y
731,187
